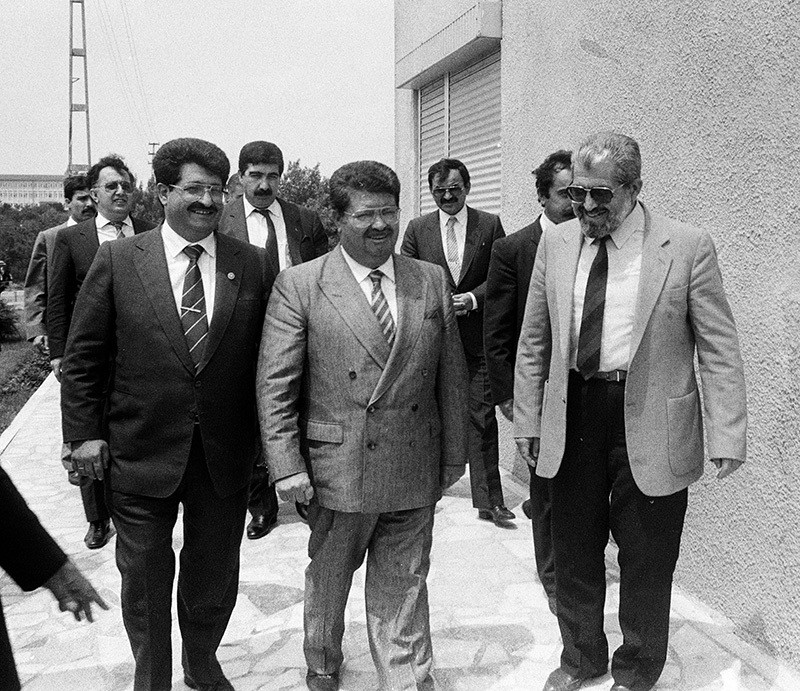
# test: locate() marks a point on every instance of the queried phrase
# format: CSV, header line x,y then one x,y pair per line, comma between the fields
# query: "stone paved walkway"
x,y
491,626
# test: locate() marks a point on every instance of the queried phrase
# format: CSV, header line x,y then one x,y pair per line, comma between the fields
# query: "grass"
x,y
22,369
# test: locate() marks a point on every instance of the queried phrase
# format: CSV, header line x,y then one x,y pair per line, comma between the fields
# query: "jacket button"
x,y
353,374
372,446
197,384
414,407
371,409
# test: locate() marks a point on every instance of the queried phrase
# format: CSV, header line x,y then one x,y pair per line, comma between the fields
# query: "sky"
x,y
314,76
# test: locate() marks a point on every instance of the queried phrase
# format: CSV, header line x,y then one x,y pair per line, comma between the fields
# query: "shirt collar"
x,y
71,221
174,243
461,217
101,221
633,222
274,208
546,223
361,272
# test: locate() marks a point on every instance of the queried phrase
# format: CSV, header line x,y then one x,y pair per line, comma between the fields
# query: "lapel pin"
x,y
231,275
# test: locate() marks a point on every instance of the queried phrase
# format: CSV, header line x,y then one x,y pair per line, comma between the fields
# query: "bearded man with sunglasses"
x,y
111,186
606,403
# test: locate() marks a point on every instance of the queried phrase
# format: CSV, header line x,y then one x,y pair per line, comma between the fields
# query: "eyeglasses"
x,y
600,195
366,217
197,191
453,189
112,187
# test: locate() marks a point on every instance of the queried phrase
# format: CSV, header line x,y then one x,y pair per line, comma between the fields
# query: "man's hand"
x,y
507,408
528,448
74,593
462,303
295,488
41,342
451,474
55,363
725,466
90,458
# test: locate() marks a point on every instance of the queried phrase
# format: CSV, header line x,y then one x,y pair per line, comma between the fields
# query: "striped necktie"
x,y
193,305
271,245
381,307
120,226
453,260
594,304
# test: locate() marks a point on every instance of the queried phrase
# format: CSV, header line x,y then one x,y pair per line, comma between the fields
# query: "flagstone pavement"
x,y
491,626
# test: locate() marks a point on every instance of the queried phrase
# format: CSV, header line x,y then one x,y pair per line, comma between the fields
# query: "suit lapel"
x,y
294,231
339,285
432,234
655,267
565,269
471,243
409,282
89,238
236,223
151,265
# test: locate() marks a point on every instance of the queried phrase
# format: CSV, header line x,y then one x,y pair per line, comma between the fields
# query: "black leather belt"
x,y
613,375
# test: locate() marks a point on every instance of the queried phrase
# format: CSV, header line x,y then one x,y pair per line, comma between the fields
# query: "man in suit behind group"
x,y
363,411
506,293
158,397
627,299
459,239
80,205
111,185
291,235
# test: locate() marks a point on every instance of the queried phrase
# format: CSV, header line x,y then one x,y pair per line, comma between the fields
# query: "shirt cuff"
x,y
474,302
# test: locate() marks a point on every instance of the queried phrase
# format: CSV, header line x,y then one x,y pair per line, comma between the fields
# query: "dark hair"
x,y
443,167
259,152
73,184
173,155
111,161
361,176
549,168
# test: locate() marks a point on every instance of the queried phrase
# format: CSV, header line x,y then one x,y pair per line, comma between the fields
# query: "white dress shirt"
x,y
546,223
71,221
388,286
107,231
460,228
622,289
257,229
178,262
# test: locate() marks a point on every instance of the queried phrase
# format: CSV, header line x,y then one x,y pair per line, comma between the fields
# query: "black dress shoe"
x,y
499,514
99,533
260,526
526,508
302,510
221,684
322,682
561,680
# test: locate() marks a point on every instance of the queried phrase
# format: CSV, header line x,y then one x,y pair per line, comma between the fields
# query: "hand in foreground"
x,y
507,408
90,458
462,303
295,488
55,364
528,448
74,593
725,466
451,474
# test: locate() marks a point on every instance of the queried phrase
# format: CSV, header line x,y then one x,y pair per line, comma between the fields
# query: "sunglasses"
x,y
600,195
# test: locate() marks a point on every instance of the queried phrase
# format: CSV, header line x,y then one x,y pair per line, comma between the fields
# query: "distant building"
x,y
31,189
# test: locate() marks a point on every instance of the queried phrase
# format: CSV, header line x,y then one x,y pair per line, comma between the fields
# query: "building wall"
x,y
33,189
710,91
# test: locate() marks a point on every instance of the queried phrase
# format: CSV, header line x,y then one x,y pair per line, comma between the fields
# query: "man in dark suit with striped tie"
x,y
158,397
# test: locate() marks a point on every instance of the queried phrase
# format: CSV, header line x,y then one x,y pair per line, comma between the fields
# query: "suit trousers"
x,y
593,492
484,455
397,546
208,578
541,520
262,499
93,496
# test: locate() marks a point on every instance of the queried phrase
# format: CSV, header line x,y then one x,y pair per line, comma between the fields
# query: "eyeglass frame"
x,y
373,214
112,187
588,192
207,189
452,189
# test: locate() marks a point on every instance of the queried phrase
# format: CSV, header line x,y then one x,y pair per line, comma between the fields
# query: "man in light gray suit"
x,y
78,201
362,403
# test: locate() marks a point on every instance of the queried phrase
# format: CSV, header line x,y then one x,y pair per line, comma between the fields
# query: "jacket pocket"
x,y
684,433
331,432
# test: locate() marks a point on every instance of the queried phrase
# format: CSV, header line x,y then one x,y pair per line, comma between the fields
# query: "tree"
x,y
19,226
146,204
308,187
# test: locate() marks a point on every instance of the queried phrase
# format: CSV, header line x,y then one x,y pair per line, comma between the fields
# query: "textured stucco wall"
x,y
710,90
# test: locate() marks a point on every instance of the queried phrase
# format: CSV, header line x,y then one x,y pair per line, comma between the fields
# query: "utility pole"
x,y
153,146
77,52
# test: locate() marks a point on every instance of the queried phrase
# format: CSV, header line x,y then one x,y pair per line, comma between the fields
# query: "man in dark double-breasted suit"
x,y
459,239
158,397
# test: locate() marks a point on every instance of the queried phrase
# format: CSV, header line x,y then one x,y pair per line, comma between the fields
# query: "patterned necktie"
x,y
594,303
452,249
193,305
119,225
381,307
271,245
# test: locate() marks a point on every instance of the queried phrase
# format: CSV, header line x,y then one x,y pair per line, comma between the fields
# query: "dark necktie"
x,y
120,226
381,307
193,305
271,244
594,303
